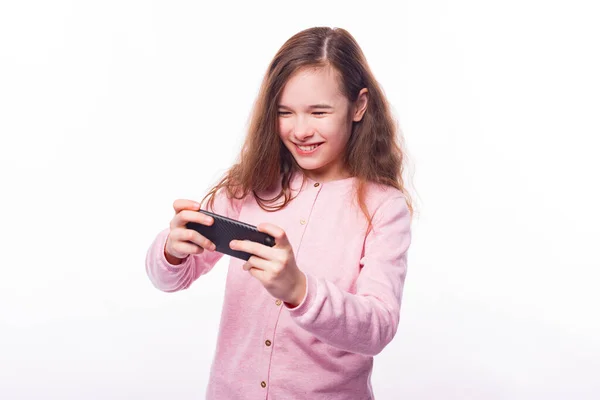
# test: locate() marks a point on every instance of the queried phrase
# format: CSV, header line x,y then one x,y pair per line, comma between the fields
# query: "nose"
x,y
302,129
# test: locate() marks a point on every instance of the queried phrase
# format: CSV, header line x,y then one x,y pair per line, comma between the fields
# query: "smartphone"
x,y
224,230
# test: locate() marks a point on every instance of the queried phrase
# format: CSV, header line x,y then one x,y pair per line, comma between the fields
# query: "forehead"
x,y
312,86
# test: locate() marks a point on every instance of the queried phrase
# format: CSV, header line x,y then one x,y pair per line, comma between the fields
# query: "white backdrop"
x,y
111,110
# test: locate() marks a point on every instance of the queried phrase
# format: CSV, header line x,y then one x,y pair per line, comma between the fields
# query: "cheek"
x,y
284,126
335,128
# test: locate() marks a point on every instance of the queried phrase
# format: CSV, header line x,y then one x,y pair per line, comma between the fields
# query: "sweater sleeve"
x,y
171,278
367,321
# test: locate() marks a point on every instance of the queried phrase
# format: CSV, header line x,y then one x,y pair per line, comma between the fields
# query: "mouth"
x,y
304,149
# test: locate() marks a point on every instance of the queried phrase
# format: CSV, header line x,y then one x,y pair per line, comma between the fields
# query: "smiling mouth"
x,y
308,148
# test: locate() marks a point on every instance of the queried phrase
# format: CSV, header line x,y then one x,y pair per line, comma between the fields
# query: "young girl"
x,y
321,172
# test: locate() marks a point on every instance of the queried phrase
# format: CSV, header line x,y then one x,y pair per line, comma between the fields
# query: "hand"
x,y
275,267
181,241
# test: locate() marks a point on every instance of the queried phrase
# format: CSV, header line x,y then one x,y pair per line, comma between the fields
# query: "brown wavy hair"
x,y
373,153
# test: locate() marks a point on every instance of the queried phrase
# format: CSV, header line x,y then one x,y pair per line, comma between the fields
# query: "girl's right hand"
x,y
181,241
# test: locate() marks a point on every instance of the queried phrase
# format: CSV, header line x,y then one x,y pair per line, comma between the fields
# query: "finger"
x,y
278,234
185,248
185,216
257,249
183,204
257,263
190,235
254,270
257,273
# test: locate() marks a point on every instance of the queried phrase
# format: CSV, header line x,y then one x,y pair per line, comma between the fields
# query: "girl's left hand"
x,y
275,267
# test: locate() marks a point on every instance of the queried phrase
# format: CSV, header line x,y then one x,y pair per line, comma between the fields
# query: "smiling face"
x,y
315,122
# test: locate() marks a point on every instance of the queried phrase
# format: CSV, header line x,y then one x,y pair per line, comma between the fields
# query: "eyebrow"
x,y
319,106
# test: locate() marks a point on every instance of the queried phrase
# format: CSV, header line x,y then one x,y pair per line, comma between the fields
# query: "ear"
x,y
360,106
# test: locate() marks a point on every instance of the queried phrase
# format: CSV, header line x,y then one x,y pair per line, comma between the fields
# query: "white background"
x,y
111,110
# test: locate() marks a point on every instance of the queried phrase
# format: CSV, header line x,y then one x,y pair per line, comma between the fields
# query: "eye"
x,y
319,113
283,113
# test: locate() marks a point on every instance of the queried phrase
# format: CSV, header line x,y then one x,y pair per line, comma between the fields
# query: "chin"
x,y
313,167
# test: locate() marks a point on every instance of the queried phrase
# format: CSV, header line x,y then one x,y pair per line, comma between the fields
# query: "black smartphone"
x,y
224,230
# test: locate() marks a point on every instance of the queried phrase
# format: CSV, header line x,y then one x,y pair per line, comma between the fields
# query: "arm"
x,y
171,278
367,321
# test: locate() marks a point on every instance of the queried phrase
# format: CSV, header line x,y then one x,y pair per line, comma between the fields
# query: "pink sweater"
x,y
324,347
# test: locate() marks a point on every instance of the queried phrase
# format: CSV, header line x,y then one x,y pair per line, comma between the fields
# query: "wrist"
x,y
299,292
171,259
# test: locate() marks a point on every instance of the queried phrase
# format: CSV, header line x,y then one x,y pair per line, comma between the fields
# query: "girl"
x,y
321,172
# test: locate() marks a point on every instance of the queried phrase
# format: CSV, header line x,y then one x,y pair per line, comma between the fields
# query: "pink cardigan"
x,y
323,348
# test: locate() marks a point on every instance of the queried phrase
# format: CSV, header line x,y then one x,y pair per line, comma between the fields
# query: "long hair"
x,y
373,152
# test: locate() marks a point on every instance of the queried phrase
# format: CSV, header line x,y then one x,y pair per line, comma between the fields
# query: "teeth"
x,y
308,148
